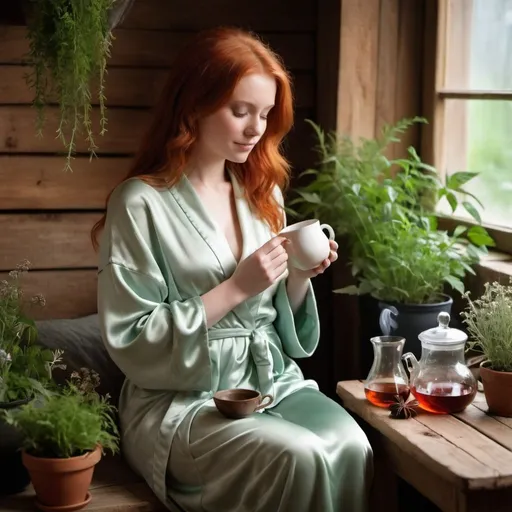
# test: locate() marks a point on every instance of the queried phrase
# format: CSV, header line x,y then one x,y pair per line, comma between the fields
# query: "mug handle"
x,y
270,400
328,228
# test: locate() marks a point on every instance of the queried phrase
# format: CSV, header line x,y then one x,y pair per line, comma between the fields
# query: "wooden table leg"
x,y
384,492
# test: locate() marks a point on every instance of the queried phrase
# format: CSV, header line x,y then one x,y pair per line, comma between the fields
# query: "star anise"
x,y
402,410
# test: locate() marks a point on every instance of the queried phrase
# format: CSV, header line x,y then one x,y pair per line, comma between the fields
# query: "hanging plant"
x,y
69,46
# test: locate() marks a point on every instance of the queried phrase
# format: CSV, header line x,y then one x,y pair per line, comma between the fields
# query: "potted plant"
x,y
64,436
69,47
386,211
489,323
25,371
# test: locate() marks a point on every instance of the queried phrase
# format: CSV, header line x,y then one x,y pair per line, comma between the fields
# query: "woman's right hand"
x,y
261,269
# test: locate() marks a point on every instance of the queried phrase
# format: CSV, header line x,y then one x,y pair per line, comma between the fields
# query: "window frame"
x,y
435,95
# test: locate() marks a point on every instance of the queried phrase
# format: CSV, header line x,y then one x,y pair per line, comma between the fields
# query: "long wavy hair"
x,y
202,80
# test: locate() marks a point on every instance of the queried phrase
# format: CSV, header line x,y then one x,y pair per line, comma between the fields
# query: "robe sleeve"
x,y
157,339
299,332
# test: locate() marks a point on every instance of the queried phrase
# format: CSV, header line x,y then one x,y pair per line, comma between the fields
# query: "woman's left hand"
x,y
308,274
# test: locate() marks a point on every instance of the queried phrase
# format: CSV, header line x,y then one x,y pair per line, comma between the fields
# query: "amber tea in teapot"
x,y
441,381
444,398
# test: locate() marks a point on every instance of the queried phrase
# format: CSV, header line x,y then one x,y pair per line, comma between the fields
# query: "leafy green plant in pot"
x,y
489,324
25,371
69,46
385,210
64,436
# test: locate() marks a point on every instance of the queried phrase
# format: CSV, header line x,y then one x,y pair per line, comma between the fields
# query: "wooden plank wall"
x,y
356,64
46,214
380,82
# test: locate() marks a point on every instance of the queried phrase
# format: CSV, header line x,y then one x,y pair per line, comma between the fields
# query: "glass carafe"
x,y
387,377
441,381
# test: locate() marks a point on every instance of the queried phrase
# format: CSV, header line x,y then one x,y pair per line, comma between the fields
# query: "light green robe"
x,y
159,253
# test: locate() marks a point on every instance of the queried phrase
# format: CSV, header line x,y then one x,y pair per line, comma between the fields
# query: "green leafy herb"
x,y
69,45
386,211
25,368
69,422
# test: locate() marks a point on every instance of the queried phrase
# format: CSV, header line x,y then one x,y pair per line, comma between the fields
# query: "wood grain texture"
x,y
39,183
357,87
68,293
409,68
125,129
460,452
47,240
387,64
130,87
158,48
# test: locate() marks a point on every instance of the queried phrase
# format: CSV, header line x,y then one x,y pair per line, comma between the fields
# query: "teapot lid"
x,y
443,335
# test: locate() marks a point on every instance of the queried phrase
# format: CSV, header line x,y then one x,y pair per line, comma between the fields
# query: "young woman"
x,y
195,295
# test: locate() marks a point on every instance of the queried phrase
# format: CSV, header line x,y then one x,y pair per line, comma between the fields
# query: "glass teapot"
x,y
441,381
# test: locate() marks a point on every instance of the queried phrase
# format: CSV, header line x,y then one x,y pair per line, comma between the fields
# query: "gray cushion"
x,y
80,338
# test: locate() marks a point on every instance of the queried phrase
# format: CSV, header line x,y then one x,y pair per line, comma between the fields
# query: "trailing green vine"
x,y
69,46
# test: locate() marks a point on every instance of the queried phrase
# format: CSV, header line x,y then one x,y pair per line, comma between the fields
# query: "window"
x,y
472,104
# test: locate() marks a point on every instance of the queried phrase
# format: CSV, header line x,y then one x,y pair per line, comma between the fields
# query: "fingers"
x,y
280,259
280,270
274,243
333,254
277,251
322,267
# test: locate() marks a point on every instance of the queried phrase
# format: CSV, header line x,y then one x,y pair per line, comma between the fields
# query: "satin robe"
x,y
160,251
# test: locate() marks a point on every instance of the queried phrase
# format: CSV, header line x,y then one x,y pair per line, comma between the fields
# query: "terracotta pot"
x,y
62,482
497,389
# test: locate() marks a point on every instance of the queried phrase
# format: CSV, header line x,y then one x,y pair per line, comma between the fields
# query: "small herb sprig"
x,y
70,422
489,323
25,367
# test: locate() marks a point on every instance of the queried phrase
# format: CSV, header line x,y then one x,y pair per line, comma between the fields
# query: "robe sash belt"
x,y
185,403
260,351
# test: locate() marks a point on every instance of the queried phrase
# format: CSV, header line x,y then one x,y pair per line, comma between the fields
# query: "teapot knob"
x,y
444,319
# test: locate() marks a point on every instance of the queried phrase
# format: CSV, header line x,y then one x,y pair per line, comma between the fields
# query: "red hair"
x,y
202,80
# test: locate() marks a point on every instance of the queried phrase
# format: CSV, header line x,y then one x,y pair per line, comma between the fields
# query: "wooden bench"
x,y
461,462
115,488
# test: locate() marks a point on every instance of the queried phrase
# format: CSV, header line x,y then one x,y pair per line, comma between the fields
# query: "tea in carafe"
x,y
387,377
383,393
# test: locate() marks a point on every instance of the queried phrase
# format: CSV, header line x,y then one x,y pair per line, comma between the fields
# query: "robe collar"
x,y
192,206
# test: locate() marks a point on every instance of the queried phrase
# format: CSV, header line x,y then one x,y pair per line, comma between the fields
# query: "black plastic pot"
x,y
409,320
15,477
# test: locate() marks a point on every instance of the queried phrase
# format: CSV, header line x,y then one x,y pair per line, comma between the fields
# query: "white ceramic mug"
x,y
309,245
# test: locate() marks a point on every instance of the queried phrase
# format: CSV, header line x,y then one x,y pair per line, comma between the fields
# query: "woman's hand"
x,y
261,269
308,274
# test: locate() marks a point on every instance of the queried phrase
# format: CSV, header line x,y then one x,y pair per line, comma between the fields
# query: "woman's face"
x,y
231,132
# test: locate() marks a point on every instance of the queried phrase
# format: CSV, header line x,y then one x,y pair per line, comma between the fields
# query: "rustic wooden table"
x,y
461,462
